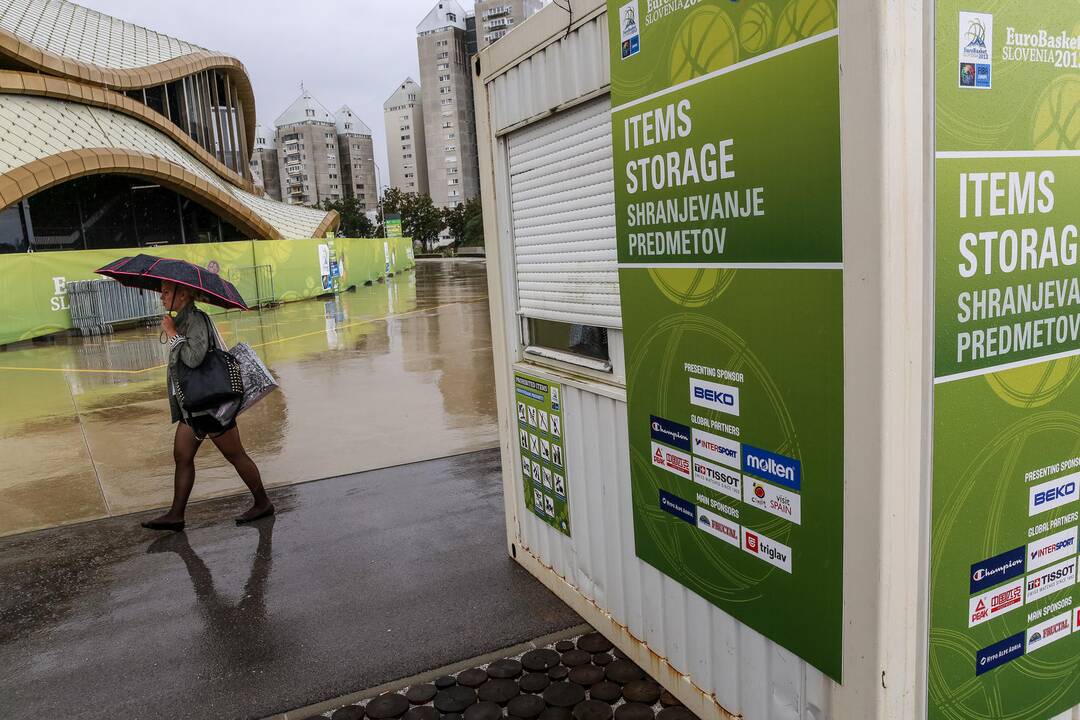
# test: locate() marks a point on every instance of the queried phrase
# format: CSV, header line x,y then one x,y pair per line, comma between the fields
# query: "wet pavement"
x,y
357,581
388,374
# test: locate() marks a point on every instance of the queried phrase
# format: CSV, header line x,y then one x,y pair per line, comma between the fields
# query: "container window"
x,y
569,342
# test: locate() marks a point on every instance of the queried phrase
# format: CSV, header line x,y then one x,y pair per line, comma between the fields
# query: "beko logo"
x,y
713,396
1053,494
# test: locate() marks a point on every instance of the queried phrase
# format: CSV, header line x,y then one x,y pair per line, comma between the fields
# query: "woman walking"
x,y
189,335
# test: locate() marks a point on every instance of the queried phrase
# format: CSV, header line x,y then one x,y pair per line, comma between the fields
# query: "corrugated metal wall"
x,y
748,674
569,69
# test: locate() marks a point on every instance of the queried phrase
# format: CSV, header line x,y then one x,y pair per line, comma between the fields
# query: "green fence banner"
x,y
543,454
33,292
393,226
726,133
1006,434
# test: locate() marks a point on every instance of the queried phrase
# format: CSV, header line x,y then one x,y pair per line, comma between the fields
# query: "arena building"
x,y
116,136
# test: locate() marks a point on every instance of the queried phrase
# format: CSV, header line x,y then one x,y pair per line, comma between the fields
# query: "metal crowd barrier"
x,y
96,305
255,283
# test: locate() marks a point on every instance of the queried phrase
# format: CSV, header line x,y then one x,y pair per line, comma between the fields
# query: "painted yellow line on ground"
x,y
356,323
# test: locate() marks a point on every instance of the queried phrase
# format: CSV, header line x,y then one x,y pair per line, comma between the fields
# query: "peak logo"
x,y
995,602
674,461
714,396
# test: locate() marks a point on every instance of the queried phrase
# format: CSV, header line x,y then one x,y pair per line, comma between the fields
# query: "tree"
x,y
420,219
354,220
466,222
474,223
454,219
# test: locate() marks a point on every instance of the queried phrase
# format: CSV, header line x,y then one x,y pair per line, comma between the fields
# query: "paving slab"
x,y
358,581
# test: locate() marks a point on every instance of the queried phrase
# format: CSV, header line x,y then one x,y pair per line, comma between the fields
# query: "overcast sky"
x,y
351,52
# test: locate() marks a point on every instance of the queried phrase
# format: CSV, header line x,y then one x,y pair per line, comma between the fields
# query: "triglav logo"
x,y
976,49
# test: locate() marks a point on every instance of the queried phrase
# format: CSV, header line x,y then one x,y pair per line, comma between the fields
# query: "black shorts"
x,y
205,426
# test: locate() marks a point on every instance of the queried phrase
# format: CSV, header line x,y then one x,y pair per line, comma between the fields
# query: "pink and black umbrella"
x,y
147,272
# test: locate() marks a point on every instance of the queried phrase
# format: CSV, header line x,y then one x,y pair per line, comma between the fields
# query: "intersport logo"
x,y
1051,549
716,448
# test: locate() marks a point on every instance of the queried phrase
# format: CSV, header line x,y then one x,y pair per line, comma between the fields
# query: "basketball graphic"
x,y
755,29
1056,124
1035,385
705,41
804,18
691,287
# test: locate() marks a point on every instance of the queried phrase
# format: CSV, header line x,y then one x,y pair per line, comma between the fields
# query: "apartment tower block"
x,y
403,116
446,90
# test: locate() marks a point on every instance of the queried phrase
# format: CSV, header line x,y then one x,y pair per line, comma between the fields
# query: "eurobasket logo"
x,y
631,30
976,49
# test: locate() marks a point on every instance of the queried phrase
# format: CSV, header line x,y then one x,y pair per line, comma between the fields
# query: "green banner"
x,y
726,133
543,454
1006,443
393,226
33,286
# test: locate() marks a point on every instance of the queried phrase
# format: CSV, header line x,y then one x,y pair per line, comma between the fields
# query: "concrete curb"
x,y
428,676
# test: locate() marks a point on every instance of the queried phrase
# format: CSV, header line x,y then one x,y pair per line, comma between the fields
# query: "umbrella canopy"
x,y
147,272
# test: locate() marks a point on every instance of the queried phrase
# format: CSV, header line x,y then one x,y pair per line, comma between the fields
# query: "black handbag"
x,y
215,381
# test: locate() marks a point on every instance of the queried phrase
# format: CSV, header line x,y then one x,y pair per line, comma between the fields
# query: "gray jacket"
x,y
193,327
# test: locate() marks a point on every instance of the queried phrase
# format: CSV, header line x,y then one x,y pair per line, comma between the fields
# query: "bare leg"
x,y
233,449
185,446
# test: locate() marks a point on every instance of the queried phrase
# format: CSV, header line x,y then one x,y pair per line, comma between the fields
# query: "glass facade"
x,y
206,107
109,211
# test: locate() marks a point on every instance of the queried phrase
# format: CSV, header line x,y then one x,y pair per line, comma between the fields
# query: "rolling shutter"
x,y
563,216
